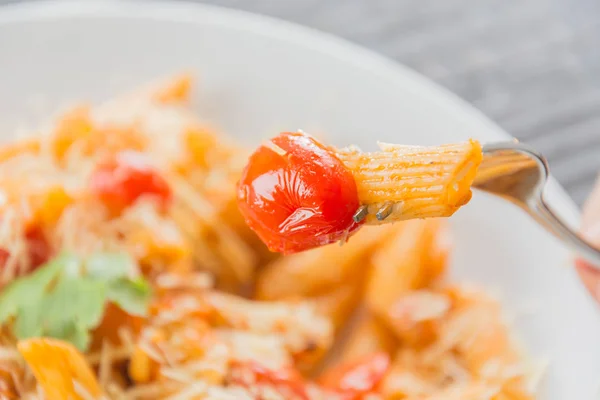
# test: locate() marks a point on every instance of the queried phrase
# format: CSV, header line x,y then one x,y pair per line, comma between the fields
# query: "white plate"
x,y
260,76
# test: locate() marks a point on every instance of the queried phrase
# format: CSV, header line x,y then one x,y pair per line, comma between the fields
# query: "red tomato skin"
x,y
38,247
298,200
358,378
120,181
287,381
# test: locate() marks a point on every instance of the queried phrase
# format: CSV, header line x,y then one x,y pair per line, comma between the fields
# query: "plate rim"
x,y
297,34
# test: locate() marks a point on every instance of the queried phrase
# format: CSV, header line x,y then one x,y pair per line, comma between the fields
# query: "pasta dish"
x,y
128,272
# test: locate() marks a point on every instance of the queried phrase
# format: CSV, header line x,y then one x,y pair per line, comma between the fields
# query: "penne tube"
x,y
60,369
320,269
19,148
338,304
174,90
407,182
411,259
367,336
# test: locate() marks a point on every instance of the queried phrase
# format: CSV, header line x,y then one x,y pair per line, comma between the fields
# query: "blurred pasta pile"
x,y
127,273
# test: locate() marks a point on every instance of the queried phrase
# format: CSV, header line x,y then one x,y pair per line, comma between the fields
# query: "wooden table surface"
x,y
533,66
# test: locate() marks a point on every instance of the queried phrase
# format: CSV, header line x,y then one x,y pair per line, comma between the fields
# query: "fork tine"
x,y
360,214
384,211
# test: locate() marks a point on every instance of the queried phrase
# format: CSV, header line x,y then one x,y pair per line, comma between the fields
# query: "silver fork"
x,y
519,174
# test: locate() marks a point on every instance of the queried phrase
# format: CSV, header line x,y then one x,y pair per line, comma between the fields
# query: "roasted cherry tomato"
x,y
38,247
358,378
296,194
120,181
286,381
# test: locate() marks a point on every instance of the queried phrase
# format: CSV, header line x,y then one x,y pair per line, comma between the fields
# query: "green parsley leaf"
x,y
108,266
27,321
131,295
30,288
77,300
66,298
22,298
71,332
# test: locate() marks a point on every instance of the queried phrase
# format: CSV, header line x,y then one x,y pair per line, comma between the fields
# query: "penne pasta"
x,y
60,369
414,257
338,304
514,391
367,335
407,182
175,90
320,269
26,146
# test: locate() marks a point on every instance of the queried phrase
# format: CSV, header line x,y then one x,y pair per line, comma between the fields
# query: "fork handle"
x,y
548,218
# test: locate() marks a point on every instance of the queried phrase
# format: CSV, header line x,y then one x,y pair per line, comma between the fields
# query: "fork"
x,y
519,174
